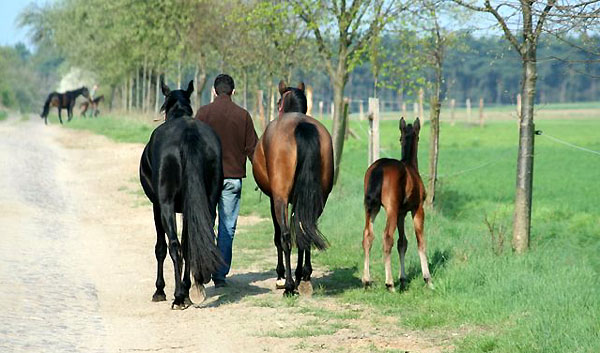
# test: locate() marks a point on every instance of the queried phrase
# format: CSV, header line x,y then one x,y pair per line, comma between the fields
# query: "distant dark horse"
x,y
293,163
63,101
181,171
94,103
397,185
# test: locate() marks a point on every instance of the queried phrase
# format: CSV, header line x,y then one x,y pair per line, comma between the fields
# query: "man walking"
x,y
238,139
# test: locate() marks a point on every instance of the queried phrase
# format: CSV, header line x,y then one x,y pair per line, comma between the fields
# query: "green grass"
x,y
547,300
3,115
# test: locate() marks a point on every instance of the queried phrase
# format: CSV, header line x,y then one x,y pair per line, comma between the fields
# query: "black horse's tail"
x,y
307,195
46,106
203,254
373,192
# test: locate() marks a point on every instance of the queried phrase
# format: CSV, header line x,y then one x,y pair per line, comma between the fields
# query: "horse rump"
x,y
307,194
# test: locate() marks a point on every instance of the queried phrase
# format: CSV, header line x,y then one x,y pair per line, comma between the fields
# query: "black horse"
x,y
84,106
63,101
181,171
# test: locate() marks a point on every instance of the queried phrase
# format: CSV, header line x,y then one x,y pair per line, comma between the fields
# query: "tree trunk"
x,y
522,216
179,74
200,83
130,94
124,96
139,89
143,85
113,89
157,93
339,125
434,143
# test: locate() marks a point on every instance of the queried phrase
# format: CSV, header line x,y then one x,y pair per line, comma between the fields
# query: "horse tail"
x,y
373,191
46,106
307,194
203,254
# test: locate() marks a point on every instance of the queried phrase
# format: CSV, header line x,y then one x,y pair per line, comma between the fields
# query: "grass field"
x,y
547,300
3,115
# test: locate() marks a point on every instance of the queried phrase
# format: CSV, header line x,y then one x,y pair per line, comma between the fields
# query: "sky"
x,y
10,34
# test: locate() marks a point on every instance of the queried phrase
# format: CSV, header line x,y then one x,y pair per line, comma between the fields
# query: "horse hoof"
x,y
367,284
403,284
390,288
429,283
197,294
305,288
159,297
181,306
280,284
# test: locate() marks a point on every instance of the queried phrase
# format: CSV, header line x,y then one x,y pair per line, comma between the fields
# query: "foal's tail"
x,y
307,195
47,106
203,254
373,190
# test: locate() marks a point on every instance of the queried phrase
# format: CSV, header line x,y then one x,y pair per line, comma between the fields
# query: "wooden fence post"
x,y
481,117
321,109
416,109
361,110
468,110
309,100
404,111
373,130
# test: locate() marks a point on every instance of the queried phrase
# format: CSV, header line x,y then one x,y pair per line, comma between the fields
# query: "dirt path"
x,y
77,267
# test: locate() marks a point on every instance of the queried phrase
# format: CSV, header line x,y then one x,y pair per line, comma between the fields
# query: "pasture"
x,y
489,299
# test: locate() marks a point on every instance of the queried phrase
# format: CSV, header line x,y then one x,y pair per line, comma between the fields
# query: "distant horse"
x,y
63,101
181,171
397,186
293,163
94,103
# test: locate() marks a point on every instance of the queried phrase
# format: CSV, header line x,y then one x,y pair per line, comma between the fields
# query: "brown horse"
x,y
397,186
293,164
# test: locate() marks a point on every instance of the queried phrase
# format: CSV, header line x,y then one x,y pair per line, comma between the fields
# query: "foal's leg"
x,y
160,250
280,207
167,212
59,115
367,243
419,220
402,245
388,243
280,284
69,113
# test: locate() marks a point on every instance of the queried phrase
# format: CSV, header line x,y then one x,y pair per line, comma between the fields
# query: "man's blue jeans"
x,y
229,208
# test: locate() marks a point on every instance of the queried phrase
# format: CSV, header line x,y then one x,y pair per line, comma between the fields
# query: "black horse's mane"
x,y
176,105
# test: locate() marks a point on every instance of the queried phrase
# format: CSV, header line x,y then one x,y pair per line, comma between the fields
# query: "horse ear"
x,y
301,86
190,88
402,124
165,89
417,125
282,86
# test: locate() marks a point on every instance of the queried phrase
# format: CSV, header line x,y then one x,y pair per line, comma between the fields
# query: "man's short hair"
x,y
224,84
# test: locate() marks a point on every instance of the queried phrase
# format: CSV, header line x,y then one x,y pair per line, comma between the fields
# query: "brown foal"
x,y
397,186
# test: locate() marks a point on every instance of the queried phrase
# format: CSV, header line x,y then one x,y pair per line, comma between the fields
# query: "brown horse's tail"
x,y
47,106
307,196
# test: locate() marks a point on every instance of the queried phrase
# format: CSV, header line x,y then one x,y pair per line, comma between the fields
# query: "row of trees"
x,y
129,43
